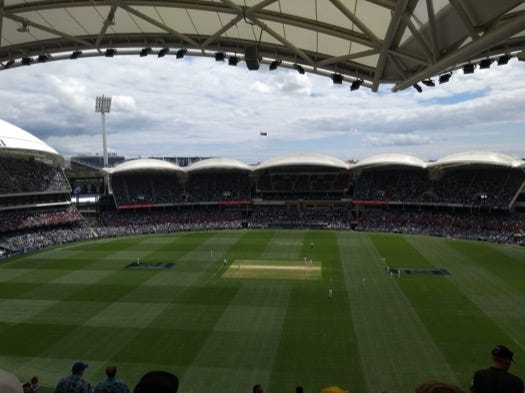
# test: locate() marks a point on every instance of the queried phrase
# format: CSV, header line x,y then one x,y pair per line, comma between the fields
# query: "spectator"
x,y
111,384
74,383
35,387
257,388
438,387
497,379
157,382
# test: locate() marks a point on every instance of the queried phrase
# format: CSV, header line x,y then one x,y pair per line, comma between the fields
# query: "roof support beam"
x,y
356,21
433,30
389,39
493,37
162,26
109,21
352,56
419,38
465,19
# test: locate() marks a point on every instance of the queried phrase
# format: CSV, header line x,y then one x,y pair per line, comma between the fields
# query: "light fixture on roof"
x,y
521,56
469,68
180,53
27,60
274,64
24,28
485,64
356,84
9,63
444,78
110,52
417,87
428,82
145,51
503,59
42,58
163,52
337,79
299,68
233,60
220,56
75,55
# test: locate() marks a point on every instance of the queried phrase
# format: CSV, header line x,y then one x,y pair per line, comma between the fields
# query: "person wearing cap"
x,y
111,384
497,379
74,383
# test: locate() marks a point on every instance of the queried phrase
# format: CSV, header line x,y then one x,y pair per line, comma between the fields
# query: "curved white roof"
x,y
390,159
303,159
145,164
13,137
478,157
377,41
218,163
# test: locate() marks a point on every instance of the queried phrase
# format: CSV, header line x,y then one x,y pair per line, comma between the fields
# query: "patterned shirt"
x,y
73,384
111,385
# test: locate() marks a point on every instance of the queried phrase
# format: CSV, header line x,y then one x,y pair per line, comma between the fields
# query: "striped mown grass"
x,y
223,332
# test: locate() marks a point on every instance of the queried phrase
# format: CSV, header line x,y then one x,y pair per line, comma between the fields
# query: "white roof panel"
x,y
303,159
218,163
478,157
13,137
145,164
390,159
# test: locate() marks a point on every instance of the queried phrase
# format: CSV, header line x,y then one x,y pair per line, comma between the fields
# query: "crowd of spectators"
x,y
492,188
16,220
296,217
28,175
147,188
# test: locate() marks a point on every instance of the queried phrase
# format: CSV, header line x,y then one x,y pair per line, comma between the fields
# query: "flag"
x,y
262,133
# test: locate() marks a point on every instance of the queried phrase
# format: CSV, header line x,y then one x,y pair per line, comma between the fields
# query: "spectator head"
x,y
437,387
158,382
257,388
78,368
502,356
111,371
9,383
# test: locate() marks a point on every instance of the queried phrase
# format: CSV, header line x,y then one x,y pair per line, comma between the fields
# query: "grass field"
x,y
264,316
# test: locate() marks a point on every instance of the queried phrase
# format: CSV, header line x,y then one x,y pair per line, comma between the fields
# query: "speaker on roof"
x,y
251,56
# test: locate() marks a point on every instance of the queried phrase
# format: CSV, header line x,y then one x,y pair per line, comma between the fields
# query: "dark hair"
x,y
111,371
157,382
299,389
257,388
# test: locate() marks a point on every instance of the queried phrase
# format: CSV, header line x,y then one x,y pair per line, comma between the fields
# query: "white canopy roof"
x,y
143,165
13,137
303,159
218,163
390,159
377,41
477,157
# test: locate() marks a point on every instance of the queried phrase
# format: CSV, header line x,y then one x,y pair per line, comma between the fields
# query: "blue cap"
x,y
79,366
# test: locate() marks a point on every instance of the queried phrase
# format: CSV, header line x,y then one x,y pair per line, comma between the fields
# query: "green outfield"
x,y
264,316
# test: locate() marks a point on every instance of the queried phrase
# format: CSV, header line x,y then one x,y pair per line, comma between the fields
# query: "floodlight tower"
x,y
103,106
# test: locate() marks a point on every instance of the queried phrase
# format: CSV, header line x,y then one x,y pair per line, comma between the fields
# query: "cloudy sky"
x,y
200,107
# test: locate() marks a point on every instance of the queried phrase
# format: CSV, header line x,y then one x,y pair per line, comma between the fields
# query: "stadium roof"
x,y
398,42
218,163
477,158
390,159
144,164
303,159
14,138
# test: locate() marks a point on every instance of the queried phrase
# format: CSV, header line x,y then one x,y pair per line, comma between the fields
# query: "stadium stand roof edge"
x,y
144,164
302,159
218,163
479,158
390,159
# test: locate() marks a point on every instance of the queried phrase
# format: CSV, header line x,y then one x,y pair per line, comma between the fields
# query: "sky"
x,y
199,107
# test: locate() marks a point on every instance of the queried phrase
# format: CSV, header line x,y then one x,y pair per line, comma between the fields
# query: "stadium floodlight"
x,y
299,68
444,78
9,63
274,64
503,59
75,55
145,51
417,87
180,53
163,52
428,82
485,64
27,60
220,56
103,106
337,79
110,52
469,68
356,84
233,60
521,55
42,58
